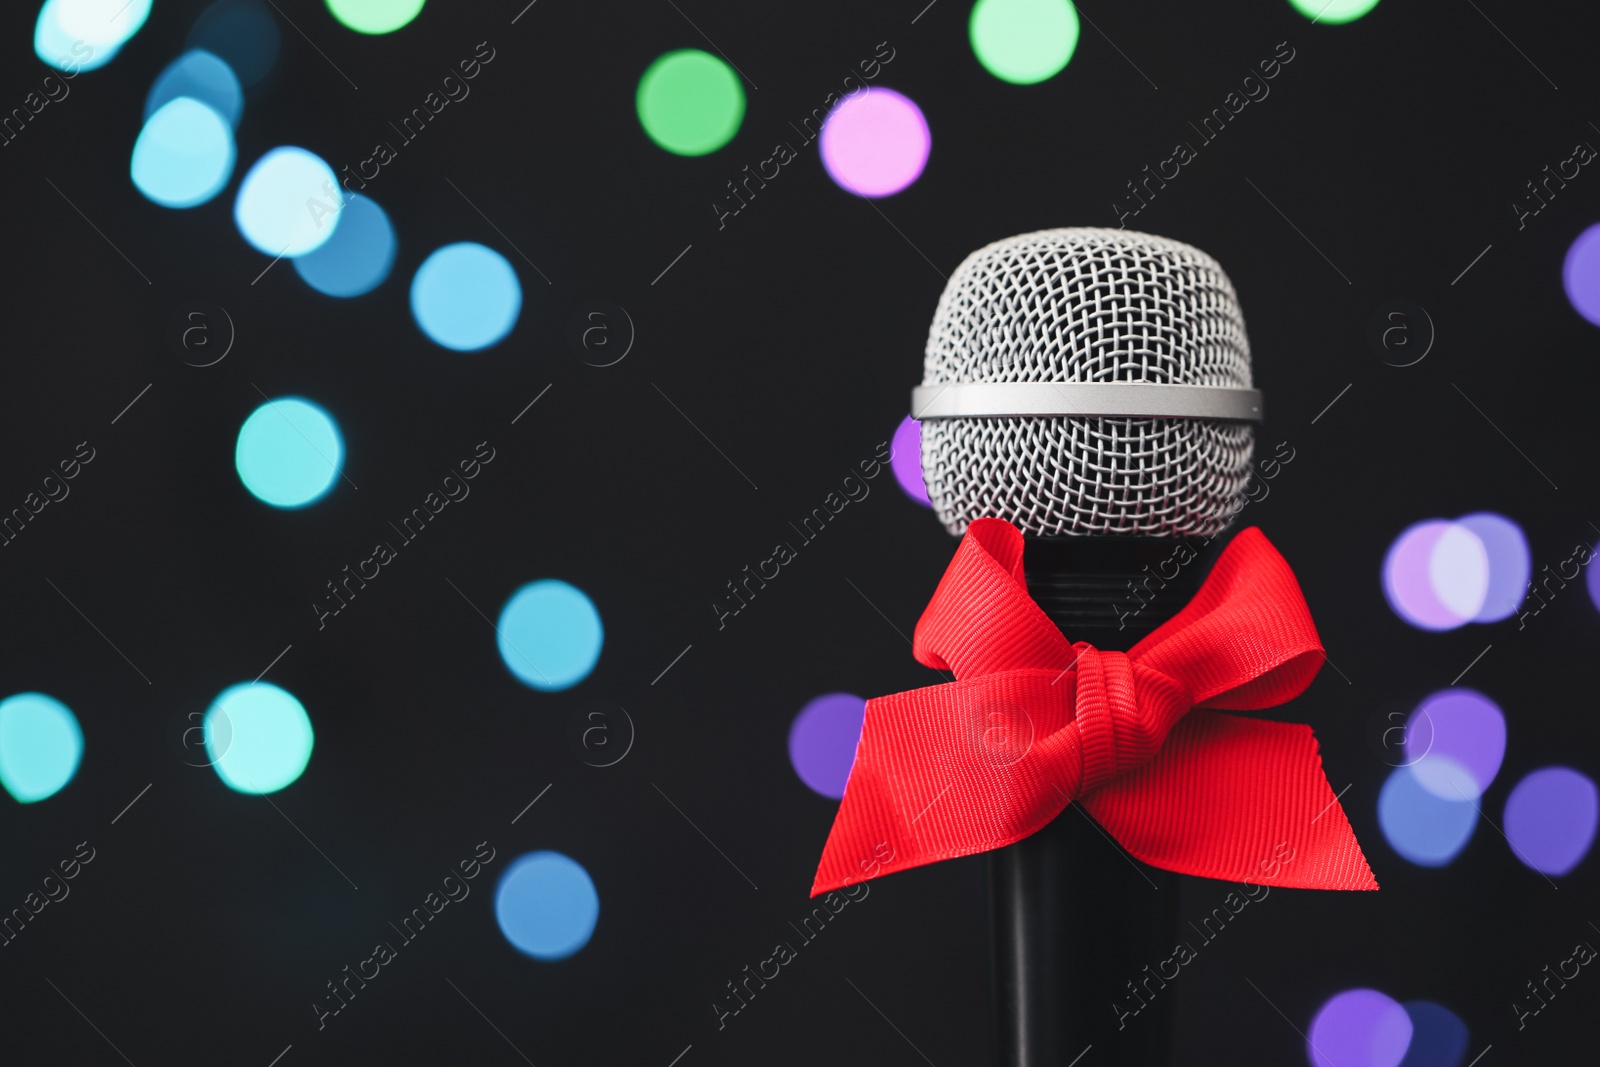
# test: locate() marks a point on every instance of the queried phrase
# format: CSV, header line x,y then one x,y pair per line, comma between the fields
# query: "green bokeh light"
x,y
690,102
1024,41
1333,12
375,16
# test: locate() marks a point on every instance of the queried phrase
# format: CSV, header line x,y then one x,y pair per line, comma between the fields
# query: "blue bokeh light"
x,y
1438,1036
550,635
184,155
40,746
357,258
258,737
243,32
546,905
288,203
1424,828
289,452
466,296
205,77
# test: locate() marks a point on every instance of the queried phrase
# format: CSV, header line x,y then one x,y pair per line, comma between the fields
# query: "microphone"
x,y
1092,387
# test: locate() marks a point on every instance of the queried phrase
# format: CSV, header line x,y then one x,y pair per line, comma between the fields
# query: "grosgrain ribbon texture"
x,y
1034,722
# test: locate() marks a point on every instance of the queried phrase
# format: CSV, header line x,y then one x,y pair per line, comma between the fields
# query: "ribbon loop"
x,y
940,772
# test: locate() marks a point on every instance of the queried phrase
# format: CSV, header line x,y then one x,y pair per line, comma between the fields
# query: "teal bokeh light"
x,y
546,905
289,452
258,737
184,155
550,635
40,746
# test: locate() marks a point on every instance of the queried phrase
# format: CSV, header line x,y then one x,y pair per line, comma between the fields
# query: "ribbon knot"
x,y
940,773
1114,732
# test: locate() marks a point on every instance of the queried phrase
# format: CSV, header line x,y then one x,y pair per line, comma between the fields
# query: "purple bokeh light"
x,y
1405,578
1580,274
1550,819
906,459
1454,742
822,741
1359,1028
1592,579
876,143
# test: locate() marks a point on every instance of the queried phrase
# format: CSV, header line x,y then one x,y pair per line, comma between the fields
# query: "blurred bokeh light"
x,y
289,452
359,255
550,635
258,737
1551,817
822,741
875,143
546,905
41,745
184,155
205,77
1359,1028
288,202
1023,41
690,102
243,33
466,297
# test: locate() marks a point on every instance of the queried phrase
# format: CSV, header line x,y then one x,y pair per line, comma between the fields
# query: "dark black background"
x,y
207,924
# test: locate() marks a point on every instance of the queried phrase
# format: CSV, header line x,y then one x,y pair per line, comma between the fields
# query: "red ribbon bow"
x,y
1033,723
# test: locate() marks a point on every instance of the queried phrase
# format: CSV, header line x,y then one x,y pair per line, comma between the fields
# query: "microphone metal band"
x,y
964,400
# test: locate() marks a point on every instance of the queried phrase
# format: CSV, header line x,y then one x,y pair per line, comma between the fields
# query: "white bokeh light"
x,y
289,202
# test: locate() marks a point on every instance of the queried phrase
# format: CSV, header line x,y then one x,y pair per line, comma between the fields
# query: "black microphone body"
x,y
1076,920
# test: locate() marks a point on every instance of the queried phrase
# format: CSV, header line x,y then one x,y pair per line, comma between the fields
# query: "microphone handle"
x,y
1075,920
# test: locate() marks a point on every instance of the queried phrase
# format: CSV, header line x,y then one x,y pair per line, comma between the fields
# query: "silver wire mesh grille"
x,y
1088,305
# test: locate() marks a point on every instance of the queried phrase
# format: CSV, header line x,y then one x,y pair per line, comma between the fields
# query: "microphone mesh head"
x,y
1088,305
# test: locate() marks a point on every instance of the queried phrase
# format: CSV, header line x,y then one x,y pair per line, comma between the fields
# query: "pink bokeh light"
x,y
875,143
